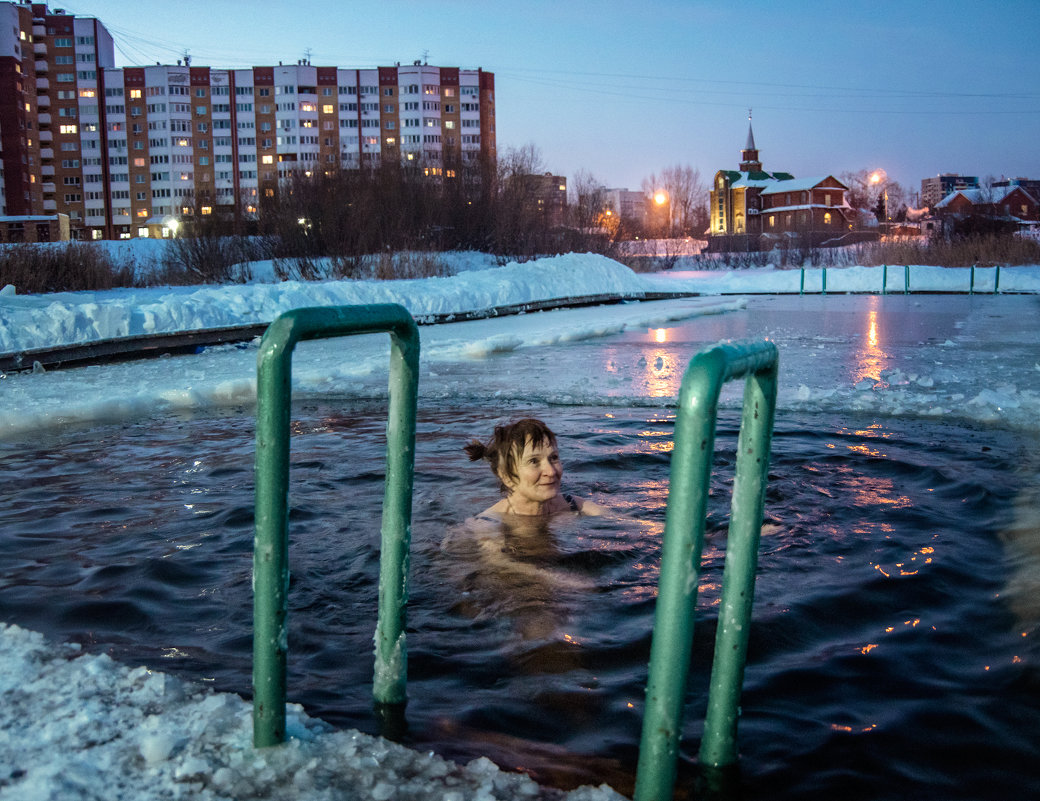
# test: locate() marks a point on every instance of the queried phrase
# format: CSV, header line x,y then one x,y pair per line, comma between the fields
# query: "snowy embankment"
x,y
37,321
101,730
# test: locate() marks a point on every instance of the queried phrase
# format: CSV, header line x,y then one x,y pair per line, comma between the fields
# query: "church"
x,y
751,209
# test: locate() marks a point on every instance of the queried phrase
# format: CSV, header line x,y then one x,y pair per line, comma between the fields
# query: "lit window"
x,y
135,93
142,212
827,218
329,109
68,129
207,209
268,160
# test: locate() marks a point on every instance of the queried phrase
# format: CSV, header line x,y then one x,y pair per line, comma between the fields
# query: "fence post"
x,y
884,279
906,279
271,545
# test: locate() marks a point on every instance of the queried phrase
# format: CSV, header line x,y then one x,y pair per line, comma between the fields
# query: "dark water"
x,y
894,646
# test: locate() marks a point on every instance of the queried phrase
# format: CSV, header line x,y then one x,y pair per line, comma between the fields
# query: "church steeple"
x,y
749,155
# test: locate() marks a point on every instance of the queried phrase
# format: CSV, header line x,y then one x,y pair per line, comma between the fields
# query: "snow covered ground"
x,y
81,727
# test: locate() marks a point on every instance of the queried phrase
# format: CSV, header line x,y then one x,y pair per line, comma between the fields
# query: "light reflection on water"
x,y
878,604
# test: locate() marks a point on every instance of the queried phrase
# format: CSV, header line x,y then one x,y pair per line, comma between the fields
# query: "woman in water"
x,y
508,559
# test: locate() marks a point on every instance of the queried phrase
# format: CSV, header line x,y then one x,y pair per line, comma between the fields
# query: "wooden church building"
x,y
751,209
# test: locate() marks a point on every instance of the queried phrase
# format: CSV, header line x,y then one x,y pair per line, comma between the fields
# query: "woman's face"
x,y
538,473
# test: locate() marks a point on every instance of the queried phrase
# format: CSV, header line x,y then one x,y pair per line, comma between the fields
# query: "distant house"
x,y
34,228
751,209
1012,204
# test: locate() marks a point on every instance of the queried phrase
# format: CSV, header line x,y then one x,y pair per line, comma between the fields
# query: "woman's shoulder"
x,y
490,516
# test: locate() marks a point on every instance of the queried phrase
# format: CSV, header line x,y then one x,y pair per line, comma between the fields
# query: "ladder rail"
x,y
271,543
681,551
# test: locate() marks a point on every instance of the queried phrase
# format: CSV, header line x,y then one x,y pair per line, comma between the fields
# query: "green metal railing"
x,y
683,543
271,548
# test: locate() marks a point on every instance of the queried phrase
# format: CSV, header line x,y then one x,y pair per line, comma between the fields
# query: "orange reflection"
x,y
660,334
871,356
662,374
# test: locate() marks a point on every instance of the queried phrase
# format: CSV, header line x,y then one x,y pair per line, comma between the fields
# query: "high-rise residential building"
x,y
127,151
935,189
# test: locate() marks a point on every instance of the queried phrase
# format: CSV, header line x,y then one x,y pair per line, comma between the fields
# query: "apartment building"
x,y
134,151
936,188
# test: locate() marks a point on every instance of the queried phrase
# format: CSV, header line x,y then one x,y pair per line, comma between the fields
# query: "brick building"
x,y
121,150
750,208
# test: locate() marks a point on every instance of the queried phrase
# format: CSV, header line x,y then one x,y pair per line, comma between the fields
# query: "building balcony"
x,y
40,48
46,153
42,83
43,101
46,136
47,170
42,66
43,118
48,187
39,30
50,204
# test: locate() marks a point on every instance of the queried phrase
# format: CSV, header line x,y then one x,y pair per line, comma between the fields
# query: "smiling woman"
x,y
524,457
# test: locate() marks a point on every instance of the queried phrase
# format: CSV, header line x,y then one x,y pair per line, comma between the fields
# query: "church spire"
x,y
749,155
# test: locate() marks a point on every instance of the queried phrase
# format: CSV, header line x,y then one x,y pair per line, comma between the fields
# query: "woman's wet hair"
x,y
507,445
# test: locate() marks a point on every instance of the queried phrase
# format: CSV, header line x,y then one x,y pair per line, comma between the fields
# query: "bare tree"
x,y
874,191
681,199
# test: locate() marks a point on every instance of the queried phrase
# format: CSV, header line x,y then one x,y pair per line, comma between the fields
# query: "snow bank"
x,y
37,321
101,730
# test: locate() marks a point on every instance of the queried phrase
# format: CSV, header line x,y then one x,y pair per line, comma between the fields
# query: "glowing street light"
x,y
879,176
660,197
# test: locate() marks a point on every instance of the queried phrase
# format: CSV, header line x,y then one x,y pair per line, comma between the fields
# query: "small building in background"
x,y
34,228
628,205
1010,204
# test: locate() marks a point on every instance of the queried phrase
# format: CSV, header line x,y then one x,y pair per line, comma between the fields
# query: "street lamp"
x,y
661,201
879,176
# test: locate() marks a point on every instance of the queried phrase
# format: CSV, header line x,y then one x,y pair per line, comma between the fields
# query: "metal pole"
x,y
801,284
971,284
996,281
824,281
906,279
683,544
884,279
270,556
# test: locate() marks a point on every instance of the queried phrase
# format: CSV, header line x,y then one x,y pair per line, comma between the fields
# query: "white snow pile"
x,y
30,322
75,727
38,321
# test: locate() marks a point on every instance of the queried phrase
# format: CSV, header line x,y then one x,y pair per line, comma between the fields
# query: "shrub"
x,y
70,267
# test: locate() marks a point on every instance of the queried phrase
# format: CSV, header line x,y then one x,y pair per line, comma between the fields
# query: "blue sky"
x,y
624,89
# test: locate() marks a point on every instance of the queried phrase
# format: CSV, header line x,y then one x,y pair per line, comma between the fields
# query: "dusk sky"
x,y
624,89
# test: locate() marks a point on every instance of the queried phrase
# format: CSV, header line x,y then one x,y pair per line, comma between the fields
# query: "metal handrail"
x,y
271,545
681,551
